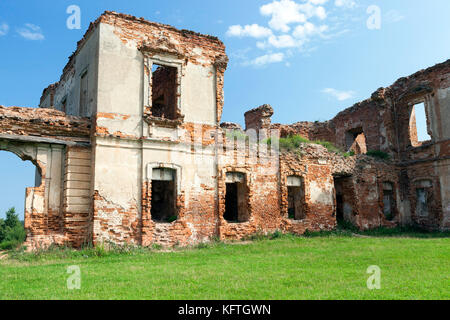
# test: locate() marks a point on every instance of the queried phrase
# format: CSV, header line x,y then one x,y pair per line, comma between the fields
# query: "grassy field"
x,y
288,267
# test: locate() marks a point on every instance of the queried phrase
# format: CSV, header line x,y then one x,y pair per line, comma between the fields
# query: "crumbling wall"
x,y
43,123
368,191
427,160
259,118
317,182
386,123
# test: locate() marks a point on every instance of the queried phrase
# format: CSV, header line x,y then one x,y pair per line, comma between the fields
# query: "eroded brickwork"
x,y
37,122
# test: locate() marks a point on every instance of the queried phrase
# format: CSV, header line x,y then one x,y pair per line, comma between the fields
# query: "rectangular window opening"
x,y
295,198
295,203
343,186
163,204
422,202
388,201
236,202
418,125
164,92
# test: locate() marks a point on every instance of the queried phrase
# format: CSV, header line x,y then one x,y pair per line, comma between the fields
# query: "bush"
x,y
292,142
8,245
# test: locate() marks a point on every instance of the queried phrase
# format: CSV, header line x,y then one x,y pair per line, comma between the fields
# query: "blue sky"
x,y
309,59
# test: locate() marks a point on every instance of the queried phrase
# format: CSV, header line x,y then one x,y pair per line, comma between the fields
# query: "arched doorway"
x,y
15,176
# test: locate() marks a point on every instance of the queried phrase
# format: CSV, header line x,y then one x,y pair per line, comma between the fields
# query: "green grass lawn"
x,y
288,267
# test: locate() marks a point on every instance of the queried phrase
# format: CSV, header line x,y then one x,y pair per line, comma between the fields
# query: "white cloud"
x,y
31,32
285,12
268,58
301,35
350,4
4,28
321,13
311,10
254,31
339,95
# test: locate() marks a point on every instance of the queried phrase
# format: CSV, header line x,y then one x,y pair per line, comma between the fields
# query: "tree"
x,y
12,232
12,219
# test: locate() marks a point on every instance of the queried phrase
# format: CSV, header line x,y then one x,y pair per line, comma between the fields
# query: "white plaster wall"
x,y
120,82
117,172
117,167
322,194
54,174
69,88
198,94
34,202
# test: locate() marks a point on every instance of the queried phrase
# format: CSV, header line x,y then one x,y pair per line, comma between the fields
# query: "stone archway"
x,y
25,151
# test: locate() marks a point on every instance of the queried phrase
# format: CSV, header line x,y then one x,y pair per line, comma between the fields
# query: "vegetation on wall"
x,y
378,154
293,142
236,135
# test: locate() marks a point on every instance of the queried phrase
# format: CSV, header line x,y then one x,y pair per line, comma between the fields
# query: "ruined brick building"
x,y
129,148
